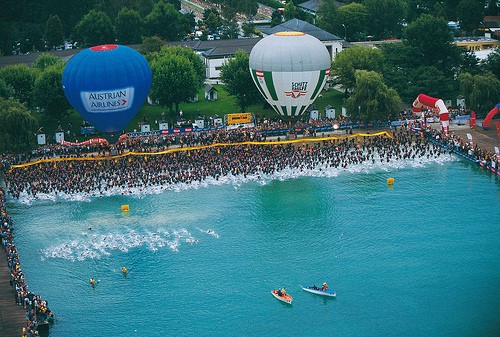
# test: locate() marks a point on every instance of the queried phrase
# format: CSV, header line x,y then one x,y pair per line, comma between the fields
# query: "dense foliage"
x,y
236,75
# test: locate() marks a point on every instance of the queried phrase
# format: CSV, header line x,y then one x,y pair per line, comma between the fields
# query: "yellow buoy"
x,y
125,208
390,181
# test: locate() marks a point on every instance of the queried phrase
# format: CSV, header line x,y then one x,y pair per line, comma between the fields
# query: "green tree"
x,y
492,63
229,8
187,53
248,29
48,95
481,92
46,60
54,33
175,78
230,30
276,18
433,43
238,81
439,11
470,14
372,99
7,37
151,44
492,9
354,20
95,28
469,62
432,81
31,39
21,78
293,12
355,58
165,21
410,77
6,91
398,69
129,26
212,19
328,17
17,127
385,17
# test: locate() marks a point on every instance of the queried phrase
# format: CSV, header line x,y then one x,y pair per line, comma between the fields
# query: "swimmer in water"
x,y
92,282
124,271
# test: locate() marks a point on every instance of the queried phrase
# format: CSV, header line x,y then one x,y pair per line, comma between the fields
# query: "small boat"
x,y
318,291
283,298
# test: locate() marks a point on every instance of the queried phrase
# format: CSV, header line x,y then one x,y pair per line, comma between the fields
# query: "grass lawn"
x,y
224,104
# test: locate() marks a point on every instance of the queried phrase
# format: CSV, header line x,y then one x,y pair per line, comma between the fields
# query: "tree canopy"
x,y
95,28
355,58
236,75
433,44
129,26
17,126
21,79
481,92
48,95
176,76
372,100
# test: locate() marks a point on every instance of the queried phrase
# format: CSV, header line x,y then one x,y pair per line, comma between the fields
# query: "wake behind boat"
x,y
319,291
282,296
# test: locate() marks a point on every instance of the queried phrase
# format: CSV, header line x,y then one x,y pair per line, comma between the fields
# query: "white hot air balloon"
x,y
290,69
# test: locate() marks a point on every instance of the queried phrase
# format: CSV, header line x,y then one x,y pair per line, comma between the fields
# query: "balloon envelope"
x,y
107,85
289,69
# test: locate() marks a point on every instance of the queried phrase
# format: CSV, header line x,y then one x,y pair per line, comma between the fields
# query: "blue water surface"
x,y
420,258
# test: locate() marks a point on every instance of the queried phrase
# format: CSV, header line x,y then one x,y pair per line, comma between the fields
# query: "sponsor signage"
x,y
108,100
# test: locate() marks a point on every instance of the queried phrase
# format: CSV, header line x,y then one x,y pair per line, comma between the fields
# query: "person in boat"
x,y
282,292
325,286
314,287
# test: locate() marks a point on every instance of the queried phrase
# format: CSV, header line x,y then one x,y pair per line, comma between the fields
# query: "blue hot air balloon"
x,y
107,85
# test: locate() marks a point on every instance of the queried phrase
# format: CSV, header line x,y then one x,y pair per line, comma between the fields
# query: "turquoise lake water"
x,y
420,258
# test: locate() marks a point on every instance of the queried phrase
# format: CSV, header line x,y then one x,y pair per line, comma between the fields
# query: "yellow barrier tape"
x,y
182,149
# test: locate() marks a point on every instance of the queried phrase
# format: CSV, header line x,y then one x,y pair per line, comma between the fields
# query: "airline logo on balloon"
x,y
298,89
109,100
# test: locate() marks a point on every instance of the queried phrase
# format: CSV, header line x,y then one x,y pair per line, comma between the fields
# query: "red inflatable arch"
x,y
490,115
435,104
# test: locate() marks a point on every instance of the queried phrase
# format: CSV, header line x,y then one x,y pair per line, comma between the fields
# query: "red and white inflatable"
x,y
435,104
87,142
490,115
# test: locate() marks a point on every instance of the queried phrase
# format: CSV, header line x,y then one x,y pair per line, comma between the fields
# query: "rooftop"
x,y
304,27
313,5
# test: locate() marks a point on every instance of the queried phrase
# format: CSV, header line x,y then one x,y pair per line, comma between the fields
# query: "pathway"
x,y
12,316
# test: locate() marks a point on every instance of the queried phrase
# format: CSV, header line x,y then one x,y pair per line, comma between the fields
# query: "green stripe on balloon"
x,y
256,80
319,85
268,77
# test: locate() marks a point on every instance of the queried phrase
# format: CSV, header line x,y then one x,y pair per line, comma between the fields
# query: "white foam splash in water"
x,y
96,246
321,170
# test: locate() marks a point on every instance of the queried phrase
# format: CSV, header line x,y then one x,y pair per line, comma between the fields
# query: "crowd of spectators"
x,y
38,313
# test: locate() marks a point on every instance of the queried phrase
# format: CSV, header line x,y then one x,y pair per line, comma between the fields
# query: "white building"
x,y
215,53
332,42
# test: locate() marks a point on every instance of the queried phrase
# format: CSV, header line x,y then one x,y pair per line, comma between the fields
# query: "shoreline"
x,y
36,315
